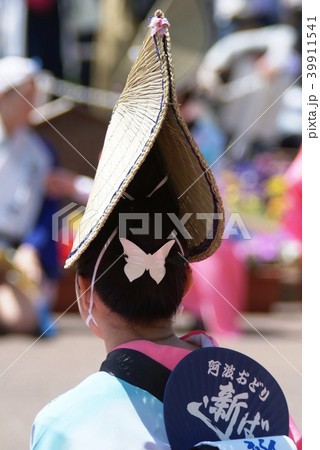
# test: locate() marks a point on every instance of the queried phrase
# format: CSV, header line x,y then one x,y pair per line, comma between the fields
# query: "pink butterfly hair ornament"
x,y
158,25
138,261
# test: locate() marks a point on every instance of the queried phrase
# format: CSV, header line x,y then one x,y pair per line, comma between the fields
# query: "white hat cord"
x,y
137,260
106,245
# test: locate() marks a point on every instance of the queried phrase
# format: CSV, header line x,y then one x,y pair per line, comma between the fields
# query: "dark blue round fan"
x,y
217,394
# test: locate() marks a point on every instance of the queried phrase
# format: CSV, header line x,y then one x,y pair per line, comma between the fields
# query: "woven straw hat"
x,y
146,113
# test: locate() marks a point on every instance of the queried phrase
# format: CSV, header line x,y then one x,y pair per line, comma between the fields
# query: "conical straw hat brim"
x,y
147,110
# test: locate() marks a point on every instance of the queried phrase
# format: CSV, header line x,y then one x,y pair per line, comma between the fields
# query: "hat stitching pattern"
x,y
148,144
217,223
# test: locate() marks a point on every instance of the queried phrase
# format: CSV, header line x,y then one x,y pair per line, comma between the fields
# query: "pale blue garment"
x,y
101,413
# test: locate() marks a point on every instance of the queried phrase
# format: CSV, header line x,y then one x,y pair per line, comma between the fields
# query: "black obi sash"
x,y
137,369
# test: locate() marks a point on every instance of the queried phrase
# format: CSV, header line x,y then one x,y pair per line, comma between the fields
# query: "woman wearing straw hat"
x,y
154,206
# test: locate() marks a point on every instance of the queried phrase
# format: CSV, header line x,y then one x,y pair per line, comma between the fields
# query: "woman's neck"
x,y
121,332
160,333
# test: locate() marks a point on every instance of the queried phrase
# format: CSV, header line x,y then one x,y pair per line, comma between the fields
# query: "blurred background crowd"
x,y
238,78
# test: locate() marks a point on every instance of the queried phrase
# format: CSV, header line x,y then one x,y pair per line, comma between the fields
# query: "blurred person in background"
x,y
29,267
246,72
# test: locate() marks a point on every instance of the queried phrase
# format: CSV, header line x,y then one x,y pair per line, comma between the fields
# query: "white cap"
x,y
15,70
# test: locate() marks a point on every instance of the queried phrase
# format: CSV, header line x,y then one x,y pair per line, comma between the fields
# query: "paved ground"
x,y
35,372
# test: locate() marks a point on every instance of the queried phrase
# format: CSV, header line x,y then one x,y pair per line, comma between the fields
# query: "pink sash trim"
x,y
294,433
167,355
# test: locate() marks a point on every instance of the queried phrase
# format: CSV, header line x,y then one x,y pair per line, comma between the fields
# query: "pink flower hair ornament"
x,y
158,25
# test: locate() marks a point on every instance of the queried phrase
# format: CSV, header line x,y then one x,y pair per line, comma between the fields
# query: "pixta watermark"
x,y
66,222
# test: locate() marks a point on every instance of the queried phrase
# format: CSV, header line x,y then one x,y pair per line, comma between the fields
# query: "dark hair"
x,y
142,300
